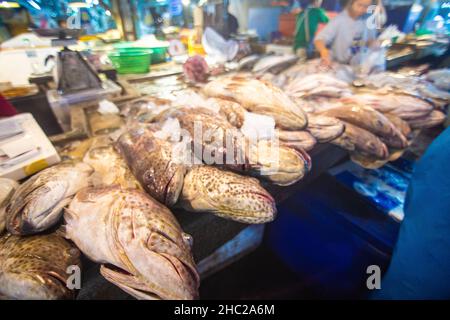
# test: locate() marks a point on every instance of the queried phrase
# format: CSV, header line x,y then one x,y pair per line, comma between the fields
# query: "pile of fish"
x,y
381,113
213,149
321,84
110,219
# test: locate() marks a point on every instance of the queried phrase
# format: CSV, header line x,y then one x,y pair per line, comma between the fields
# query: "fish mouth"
x,y
121,278
167,191
265,196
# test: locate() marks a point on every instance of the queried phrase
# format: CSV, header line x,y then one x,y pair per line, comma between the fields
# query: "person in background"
x,y
231,25
307,23
420,264
346,33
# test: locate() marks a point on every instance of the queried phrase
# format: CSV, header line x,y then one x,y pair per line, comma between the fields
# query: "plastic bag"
x,y
219,48
368,61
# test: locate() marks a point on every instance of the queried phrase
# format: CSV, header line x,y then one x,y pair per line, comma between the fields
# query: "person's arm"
x,y
323,51
324,38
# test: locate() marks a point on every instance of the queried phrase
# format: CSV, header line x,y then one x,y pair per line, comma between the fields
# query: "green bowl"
x,y
159,55
133,60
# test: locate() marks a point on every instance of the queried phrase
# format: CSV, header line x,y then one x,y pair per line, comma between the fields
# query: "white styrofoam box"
x,y
16,66
44,156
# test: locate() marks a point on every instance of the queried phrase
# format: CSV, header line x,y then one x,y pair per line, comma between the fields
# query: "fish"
x,y
371,120
401,125
434,119
142,110
38,203
109,167
36,267
137,240
360,140
227,195
152,163
274,63
277,163
248,62
440,78
259,97
232,111
7,188
214,139
367,161
296,139
321,84
406,107
325,129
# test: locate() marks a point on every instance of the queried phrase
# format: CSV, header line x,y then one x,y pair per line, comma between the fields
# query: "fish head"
x,y
39,209
277,163
37,204
227,195
138,240
152,163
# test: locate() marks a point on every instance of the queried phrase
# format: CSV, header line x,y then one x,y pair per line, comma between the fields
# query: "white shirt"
x,y
340,33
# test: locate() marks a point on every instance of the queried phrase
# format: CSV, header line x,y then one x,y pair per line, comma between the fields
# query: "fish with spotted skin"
x,y
138,241
38,203
227,195
35,267
151,162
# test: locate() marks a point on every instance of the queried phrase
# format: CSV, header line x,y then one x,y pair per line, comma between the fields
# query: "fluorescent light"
x,y
108,13
9,4
78,4
34,5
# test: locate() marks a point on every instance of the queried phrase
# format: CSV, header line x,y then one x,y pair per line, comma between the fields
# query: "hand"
x,y
374,44
326,59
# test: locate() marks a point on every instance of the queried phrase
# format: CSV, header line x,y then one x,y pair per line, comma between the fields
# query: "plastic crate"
x,y
131,60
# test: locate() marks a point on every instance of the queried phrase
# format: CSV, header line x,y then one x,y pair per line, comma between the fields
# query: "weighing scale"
x,y
74,73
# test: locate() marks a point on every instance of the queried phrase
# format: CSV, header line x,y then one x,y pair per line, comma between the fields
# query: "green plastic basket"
x,y
159,55
131,60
